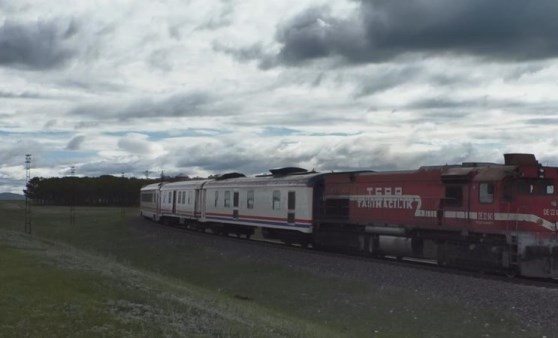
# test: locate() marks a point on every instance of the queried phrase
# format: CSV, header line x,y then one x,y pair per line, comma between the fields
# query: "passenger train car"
x,y
500,217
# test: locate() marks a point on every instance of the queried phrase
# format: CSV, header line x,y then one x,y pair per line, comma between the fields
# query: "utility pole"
x,y
72,201
27,227
123,197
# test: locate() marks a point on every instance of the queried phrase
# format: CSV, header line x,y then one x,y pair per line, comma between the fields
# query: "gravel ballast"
x,y
534,307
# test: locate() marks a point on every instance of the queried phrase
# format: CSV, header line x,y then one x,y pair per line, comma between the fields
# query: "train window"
x,y
250,199
486,192
216,198
227,199
454,196
147,197
190,197
276,204
550,189
169,197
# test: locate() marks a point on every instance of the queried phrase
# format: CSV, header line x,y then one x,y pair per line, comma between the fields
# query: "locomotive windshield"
x,y
529,187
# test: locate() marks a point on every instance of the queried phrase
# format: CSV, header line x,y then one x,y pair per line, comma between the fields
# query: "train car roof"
x,y
184,184
306,179
152,186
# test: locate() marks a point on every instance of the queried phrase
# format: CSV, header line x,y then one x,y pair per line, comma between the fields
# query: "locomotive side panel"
x,y
410,199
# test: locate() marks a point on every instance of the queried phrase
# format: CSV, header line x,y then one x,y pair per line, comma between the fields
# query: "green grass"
x,y
106,267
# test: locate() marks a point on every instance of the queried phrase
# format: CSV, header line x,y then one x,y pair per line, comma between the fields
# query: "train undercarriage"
x,y
479,252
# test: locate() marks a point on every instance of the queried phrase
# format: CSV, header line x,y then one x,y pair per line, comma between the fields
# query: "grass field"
x,y
99,277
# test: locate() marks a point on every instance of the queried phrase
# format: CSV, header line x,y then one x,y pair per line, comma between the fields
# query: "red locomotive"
x,y
481,215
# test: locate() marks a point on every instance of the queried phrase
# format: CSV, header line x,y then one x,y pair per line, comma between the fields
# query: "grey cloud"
x,y
86,124
249,53
49,124
108,168
221,18
134,145
220,157
481,103
36,45
75,143
179,105
14,154
385,78
381,30
20,95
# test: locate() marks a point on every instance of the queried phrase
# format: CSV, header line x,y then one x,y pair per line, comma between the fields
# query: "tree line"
x,y
105,190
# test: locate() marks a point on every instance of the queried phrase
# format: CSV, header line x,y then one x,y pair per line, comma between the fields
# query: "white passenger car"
x,y
182,201
284,202
149,201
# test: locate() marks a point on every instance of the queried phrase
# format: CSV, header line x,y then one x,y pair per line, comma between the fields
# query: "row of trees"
x,y
105,190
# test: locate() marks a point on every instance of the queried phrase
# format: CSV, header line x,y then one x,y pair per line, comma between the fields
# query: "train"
x,y
500,217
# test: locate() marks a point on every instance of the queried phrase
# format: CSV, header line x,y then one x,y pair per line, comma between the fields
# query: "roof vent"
x,y
229,176
288,171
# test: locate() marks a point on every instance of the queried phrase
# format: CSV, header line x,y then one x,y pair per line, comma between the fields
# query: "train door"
x,y
197,210
201,197
174,201
157,205
454,213
291,205
236,198
455,207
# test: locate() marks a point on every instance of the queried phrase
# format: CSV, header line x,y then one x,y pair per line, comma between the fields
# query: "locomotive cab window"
x,y
535,187
486,192
454,196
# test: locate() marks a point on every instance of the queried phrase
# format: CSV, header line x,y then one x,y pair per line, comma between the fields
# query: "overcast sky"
x,y
202,87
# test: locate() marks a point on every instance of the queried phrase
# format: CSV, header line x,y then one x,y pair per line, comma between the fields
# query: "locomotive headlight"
x,y
553,203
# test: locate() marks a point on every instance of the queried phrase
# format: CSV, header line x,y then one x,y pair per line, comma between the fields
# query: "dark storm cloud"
x,y
75,143
36,45
179,105
509,30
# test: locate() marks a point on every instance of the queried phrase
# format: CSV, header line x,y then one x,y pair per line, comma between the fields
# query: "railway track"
x,y
411,263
